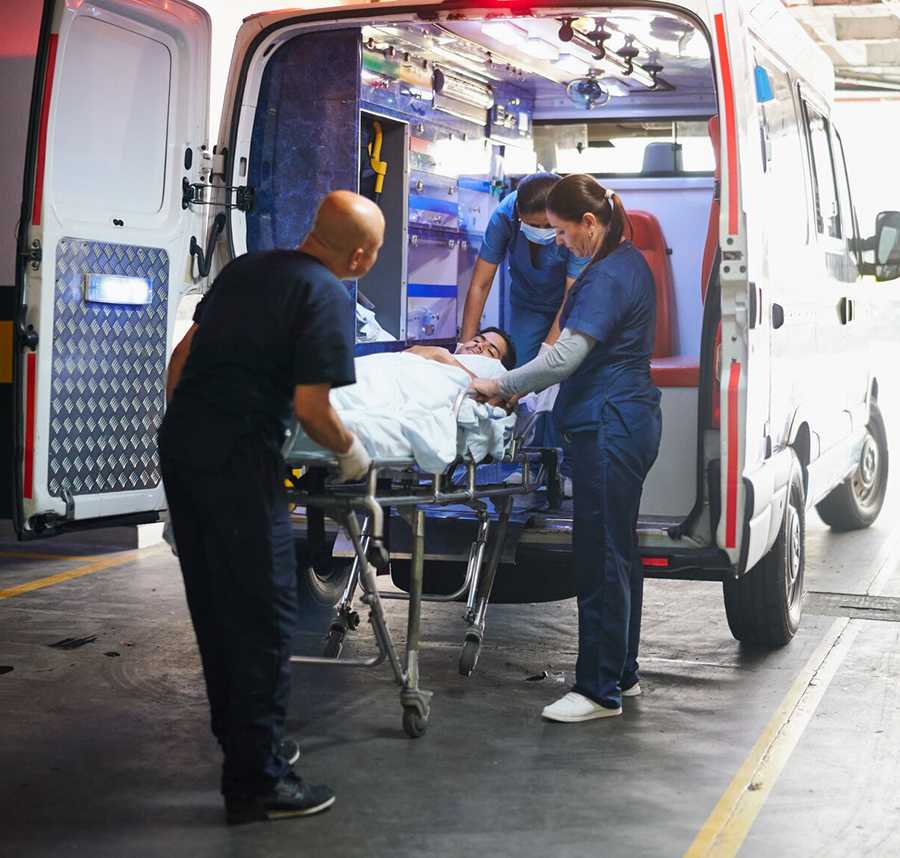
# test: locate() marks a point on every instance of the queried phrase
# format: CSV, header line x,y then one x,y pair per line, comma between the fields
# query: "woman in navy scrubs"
x,y
609,408
541,271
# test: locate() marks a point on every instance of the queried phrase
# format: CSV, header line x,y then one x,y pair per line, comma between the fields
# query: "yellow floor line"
x,y
79,572
729,823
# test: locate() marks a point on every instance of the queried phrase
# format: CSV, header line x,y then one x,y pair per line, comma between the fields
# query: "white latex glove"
x,y
354,464
545,347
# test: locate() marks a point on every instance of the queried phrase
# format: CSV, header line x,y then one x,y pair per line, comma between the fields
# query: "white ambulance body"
x,y
771,292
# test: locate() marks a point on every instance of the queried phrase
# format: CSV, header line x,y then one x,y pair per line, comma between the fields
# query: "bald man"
x,y
273,335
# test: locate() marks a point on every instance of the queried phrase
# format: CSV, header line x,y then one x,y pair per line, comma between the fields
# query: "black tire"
x,y
856,503
414,725
764,605
320,585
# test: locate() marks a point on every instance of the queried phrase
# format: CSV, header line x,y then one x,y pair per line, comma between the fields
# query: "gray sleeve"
x,y
549,368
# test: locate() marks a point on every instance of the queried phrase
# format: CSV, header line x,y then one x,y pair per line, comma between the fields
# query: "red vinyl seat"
x,y
647,237
684,371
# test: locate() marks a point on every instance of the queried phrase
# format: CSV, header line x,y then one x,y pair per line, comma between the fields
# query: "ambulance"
x,y
710,119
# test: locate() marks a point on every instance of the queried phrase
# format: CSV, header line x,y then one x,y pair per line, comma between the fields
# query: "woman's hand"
x,y
484,389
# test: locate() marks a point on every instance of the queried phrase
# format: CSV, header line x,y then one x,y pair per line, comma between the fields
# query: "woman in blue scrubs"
x,y
609,407
541,271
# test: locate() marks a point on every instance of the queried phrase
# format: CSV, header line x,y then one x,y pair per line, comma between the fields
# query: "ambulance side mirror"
x,y
887,246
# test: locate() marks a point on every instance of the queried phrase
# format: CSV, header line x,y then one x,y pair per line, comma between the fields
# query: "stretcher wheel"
x,y
334,643
414,724
377,555
468,658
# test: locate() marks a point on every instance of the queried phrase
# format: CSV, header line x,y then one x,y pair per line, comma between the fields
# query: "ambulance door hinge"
x,y
33,255
28,336
242,198
50,523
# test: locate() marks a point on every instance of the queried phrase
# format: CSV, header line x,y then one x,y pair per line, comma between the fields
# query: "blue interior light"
x,y
116,289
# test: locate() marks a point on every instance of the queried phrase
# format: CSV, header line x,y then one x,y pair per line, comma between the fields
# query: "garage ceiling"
x,y
862,39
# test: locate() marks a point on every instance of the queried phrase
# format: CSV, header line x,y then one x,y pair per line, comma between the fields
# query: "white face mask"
x,y
538,235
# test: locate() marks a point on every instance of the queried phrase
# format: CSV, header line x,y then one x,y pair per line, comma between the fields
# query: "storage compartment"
x,y
384,156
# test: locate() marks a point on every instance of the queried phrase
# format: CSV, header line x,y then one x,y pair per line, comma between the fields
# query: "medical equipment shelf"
x,y
395,483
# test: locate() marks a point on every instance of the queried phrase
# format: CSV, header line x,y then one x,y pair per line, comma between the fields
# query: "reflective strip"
x,y
733,437
6,352
42,133
30,383
730,125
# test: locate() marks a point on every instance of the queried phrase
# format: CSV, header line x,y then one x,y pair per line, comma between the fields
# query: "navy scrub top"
x,y
539,287
614,302
271,321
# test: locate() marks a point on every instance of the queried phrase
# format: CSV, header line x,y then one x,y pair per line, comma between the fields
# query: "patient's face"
x,y
490,344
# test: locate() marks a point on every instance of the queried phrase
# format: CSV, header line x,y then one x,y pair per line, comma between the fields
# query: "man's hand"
x,y
354,464
484,389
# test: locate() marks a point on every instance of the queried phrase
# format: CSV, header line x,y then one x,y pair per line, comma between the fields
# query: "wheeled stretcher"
x,y
360,510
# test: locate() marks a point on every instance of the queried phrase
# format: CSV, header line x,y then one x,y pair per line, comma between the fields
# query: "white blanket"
x,y
402,407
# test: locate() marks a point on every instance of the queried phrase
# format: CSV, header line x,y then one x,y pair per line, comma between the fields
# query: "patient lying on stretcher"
x,y
488,342
412,404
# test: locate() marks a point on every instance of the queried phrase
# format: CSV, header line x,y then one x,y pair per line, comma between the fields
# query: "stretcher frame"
x,y
397,484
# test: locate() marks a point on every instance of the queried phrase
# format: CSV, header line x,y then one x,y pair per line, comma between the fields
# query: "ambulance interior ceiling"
x,y
476,103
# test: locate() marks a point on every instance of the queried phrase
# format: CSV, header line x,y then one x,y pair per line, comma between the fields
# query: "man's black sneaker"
x,y
289,750
289,797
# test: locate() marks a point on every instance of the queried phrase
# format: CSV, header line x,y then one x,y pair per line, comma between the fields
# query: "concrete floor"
x,y
105,749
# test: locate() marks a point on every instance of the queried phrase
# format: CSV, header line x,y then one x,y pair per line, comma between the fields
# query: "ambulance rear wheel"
x,y
321,579
764,605
856,503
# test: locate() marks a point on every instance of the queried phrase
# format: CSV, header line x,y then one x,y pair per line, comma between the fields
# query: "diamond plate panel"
x,y
107,393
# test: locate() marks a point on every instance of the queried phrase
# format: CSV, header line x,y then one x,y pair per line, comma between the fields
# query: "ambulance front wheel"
x,y
856,503
764,605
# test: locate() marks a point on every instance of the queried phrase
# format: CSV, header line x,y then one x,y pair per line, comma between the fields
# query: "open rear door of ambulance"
x,y
118,118
731,49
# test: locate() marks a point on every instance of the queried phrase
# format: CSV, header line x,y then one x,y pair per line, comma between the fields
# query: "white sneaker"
x,y
576,707
634,691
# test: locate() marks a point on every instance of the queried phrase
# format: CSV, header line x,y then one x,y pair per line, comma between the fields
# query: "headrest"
x,y
713,128
662,158
646,233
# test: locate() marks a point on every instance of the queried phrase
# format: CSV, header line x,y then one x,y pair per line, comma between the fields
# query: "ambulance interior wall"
x,y
681,205
384,284
305,135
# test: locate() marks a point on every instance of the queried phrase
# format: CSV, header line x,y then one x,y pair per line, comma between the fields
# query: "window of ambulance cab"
x,y
845,198
825,197
782,153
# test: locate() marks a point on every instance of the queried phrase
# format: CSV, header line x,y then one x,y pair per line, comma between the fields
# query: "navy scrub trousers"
x,y
610,409
236,549
609,468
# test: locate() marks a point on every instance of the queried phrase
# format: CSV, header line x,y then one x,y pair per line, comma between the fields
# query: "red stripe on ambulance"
x,y
730,126
732,481
31,383
42,134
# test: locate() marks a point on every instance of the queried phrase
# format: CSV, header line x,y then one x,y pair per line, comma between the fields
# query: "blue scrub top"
x,y
539,287
614,302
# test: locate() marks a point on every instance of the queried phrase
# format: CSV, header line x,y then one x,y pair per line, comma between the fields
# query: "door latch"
x,y
846,310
